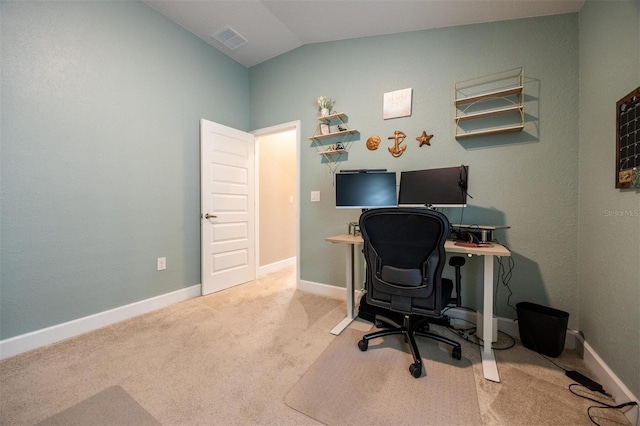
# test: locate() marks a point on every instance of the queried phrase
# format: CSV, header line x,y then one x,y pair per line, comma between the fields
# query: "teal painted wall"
x,y
99,154
101,104
527,180
609,261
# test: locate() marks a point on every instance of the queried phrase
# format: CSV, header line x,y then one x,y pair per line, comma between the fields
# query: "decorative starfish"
x,y
424,139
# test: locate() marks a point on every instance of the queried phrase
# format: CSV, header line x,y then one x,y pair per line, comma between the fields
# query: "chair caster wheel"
x,y
456,353
363,345
415,370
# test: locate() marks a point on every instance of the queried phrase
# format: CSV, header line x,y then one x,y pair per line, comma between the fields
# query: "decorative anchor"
x,y
424,139
397,150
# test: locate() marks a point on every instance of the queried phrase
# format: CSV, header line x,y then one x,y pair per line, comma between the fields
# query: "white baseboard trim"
x,y
610,381
326,290
276,266
46,336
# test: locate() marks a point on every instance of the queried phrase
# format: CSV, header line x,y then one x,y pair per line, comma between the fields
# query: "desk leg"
x,y
351,314
489,365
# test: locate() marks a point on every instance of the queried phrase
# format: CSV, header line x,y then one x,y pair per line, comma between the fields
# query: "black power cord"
x,y
464,333
602,405
583,381
590,385
505,273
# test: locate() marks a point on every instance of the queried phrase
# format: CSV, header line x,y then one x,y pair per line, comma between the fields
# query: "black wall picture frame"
x,y
628,140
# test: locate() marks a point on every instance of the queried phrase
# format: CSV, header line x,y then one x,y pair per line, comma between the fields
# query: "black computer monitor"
x,y
445,187
366,189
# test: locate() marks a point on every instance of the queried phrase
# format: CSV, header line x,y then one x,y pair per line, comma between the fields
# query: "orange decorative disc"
x,y
373,142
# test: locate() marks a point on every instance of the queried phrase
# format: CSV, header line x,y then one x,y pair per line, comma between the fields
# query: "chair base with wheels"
x,y
410,328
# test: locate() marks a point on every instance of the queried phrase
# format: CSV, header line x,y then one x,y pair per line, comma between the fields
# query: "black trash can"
x,y
542,329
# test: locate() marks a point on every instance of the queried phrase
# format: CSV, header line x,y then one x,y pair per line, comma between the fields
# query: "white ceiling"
x,y
274,27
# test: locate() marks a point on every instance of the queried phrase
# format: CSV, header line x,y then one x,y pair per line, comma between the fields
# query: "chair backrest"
x,y
404,252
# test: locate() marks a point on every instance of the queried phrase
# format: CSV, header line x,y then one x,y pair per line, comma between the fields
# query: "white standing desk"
x,y
489,253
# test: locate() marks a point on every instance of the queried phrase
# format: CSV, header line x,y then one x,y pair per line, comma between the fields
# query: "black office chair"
x,y
404,253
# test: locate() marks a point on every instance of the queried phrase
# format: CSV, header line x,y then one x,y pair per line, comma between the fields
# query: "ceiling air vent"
x,y
230,38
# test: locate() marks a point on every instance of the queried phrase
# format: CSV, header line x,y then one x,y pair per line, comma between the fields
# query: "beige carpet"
x,y
231,358
348,387
112,406
224,359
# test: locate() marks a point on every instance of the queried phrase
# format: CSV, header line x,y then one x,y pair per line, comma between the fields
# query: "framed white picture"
x,y
397,104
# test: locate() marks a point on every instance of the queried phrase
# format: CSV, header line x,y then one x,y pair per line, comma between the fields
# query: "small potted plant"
x,y
325,105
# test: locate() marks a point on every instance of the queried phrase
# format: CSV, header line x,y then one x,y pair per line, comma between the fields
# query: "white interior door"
x,y
228,206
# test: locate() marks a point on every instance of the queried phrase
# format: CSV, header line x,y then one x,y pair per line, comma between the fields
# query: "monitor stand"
x,y
480,233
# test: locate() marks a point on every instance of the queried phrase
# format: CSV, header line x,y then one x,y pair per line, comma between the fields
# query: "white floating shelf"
x,y
492,131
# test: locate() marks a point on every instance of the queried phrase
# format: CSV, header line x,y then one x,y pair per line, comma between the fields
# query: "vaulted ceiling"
x,y
274,27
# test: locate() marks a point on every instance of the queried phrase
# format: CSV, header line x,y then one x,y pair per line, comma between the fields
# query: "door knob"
x,y
210,216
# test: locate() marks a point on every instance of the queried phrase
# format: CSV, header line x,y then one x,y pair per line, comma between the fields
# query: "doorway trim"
x,y
266,131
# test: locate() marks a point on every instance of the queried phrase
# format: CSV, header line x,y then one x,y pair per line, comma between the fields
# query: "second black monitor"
x,y
445,187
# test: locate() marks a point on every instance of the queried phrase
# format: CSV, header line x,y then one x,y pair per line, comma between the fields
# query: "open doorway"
x,y
277,204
